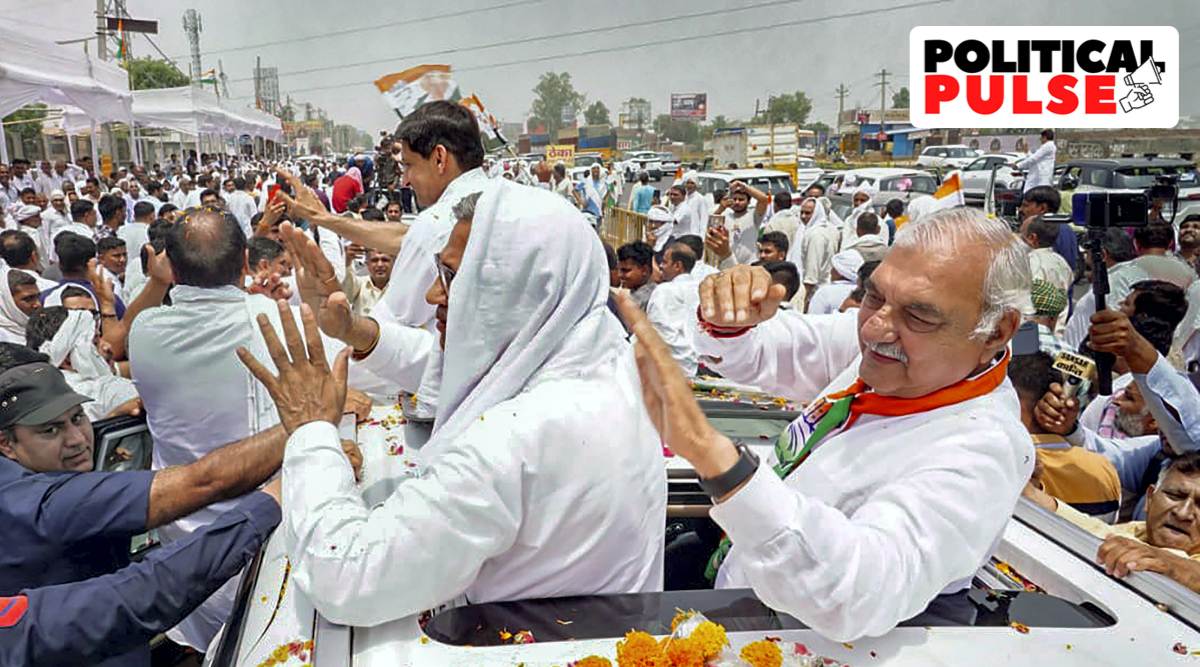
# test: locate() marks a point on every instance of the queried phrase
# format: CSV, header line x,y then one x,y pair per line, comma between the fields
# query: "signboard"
x,y
302,126
689,106
863,118
116,24
564,153
106,165
882,136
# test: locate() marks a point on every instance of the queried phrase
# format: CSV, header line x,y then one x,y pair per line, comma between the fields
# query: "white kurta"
x,y
828,298
199,397
883,516
743,235
543,477
243,207
1039,166
672,311
135,235
1121,279
815,257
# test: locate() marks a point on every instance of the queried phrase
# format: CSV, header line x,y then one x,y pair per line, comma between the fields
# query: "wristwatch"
x,y
721,485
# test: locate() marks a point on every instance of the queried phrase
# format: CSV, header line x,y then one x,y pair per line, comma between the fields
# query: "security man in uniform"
x,y
62,523
113,618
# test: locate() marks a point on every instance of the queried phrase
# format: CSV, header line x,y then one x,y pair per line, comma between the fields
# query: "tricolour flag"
x,y
487,122
407,90
948,195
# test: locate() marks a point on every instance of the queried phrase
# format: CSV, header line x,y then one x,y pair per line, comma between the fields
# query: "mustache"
x,y
889,350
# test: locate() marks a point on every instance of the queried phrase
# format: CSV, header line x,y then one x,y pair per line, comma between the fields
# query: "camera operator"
x,y
1161,403
1154,261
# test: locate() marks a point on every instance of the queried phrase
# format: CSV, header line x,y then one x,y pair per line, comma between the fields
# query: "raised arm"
x,y
383,236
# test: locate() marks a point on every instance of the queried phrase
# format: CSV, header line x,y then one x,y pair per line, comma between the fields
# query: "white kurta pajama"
x,y
199,397
544,475
672,311
884,515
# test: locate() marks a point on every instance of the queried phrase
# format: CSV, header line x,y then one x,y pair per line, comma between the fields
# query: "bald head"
x,y
207,249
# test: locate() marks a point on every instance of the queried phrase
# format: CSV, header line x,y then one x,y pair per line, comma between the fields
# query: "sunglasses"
x,y
445,273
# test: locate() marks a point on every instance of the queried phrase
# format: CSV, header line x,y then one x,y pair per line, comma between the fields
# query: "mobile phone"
x,y
715,221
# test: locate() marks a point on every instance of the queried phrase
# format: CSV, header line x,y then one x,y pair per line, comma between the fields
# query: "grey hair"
x,y
465,208
1008,281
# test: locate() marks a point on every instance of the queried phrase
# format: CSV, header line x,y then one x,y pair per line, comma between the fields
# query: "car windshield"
x,y
805,164
922,183
771,184
586,160
1146,176
959,152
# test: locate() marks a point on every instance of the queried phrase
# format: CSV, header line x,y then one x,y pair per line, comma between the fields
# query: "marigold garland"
x,y
639,649
592,661
762,653
285,652
711,639
685,652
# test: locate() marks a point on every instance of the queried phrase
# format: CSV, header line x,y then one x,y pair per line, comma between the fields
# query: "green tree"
x,y
818,127
706,132
900,98
677,129
146,73
554,93
25,132
597,114
789,108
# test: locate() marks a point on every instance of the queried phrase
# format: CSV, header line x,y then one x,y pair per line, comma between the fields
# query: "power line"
x,y
660,42
378,26
538,38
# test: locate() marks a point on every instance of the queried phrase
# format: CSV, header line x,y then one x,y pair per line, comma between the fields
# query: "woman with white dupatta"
x,y
543,477
72,348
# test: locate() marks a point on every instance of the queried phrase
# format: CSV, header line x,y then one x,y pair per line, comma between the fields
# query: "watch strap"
x,y
726,482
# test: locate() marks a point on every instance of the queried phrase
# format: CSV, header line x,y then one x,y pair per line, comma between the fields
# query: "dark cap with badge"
x,y
32,394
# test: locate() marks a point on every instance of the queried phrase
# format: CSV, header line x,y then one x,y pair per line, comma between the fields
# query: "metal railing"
x,y
622,226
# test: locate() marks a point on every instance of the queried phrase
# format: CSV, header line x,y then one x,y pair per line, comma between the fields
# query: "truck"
x,y
775,146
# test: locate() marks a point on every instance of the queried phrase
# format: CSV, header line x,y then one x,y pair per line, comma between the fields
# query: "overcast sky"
x,y
673,46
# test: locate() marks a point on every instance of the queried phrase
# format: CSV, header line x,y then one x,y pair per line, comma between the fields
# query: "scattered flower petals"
x,y
1020,627
1180,648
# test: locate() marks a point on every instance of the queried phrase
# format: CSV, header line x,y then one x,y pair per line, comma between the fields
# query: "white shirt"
x,y
743,234
35,233
179,199
882,516
1121,279
816,253
243,207
135,235
199,397
828,298
107,393
45,183
672,311
684,221
1039,166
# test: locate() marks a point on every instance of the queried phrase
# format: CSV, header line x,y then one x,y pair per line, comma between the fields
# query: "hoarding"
x,y
689,106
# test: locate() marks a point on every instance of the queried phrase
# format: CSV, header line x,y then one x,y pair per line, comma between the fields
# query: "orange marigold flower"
x,y
711,639
685,652
762,654
639,649
592,661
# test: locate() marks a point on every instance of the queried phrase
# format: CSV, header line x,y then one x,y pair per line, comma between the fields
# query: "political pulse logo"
x,y
1044,76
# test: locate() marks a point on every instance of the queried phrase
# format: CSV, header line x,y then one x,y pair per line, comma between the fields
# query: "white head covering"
x,y
27,211
691,176
54,297
12,319
529,301
819,216
57,194
75,340
847,263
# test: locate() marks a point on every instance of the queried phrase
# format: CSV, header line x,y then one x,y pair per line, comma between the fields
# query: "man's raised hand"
x,y
306,389
740,297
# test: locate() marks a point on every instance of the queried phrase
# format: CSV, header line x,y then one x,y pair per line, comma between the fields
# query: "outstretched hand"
x,y
318,284
740,297
304,203
668,397
306,389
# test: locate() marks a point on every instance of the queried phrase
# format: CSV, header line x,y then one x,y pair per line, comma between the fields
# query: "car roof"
x,y
949,146
884,172
742,173
1132,162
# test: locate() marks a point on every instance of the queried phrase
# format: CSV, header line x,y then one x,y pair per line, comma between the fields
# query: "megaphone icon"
x,y
1146,73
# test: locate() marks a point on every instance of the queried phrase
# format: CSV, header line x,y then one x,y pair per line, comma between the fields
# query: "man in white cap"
x,y
29,221
814,255
701,205
843,280
659,223
55,216
180,197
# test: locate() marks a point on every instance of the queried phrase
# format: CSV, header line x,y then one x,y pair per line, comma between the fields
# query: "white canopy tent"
x,y
37,70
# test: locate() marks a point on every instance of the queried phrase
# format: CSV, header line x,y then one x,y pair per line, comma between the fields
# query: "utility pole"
x,y
841,93
101,31
883,75
192,27
257,82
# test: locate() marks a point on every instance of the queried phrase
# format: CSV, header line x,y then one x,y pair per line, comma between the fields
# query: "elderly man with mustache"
x,y
895,484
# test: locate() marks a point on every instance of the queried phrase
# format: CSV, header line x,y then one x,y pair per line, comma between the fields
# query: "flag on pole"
x,y
208,76
487,122
122,42
407,90
948,195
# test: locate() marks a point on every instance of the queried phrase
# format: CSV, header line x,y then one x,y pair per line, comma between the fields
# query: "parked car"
x,y
670,163
639,161
769,181
807,172
888,182
976,175
1130,173
951,156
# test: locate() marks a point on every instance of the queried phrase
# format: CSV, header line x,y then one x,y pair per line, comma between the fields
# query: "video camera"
x,y
1100,210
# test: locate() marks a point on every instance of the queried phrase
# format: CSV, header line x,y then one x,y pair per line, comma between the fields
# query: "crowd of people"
x,y
244,306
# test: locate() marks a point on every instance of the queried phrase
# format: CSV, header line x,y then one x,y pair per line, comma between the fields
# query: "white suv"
x,y
953,156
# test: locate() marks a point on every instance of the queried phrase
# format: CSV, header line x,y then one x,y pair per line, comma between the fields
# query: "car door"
x,y
975,176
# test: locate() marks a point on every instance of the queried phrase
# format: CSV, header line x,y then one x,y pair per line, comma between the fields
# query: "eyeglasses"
x,y
445,273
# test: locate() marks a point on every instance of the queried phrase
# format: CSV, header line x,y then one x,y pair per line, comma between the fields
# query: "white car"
x,y
807,173
670,163
951,156
976,175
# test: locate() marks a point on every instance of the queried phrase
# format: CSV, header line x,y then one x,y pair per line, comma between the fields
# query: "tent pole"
x,y
3,145
95,150
70,147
